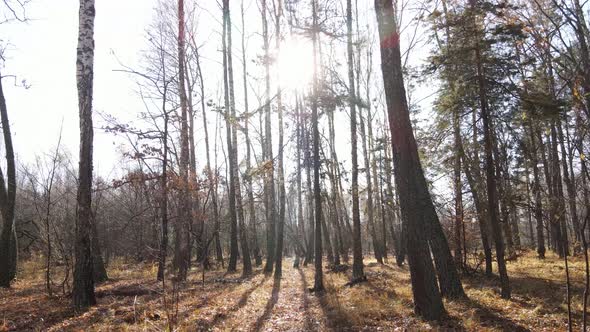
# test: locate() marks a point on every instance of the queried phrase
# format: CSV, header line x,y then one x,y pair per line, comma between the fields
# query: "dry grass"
x,y
133,301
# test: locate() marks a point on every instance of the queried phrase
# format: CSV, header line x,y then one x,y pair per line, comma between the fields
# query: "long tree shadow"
x,y
531,291
276,288
23,315
381,290
220,317
308,322
337,317
486,316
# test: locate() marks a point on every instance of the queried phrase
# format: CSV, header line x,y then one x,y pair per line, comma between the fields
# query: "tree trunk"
x,y
243,230
558,215
184,207
502,194
281,175
357,251
83,288
300,219
570,184
269,186
529,201
310,209
409,177
8,247
377,246
318,275
164,199
458,187
490,173
99,269
339,249
248,177
233,258
211,177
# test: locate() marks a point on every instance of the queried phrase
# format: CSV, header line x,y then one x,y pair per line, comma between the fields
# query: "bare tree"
x,y
409,177
317,190
83,291
357,250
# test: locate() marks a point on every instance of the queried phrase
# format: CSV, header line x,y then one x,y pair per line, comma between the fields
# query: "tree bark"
x,y
409,177
458,187
8,247
318,275
248,177
490,173
164,198
243,230
211,177
269,186
233,258
281,171
184,207
83,288
357,251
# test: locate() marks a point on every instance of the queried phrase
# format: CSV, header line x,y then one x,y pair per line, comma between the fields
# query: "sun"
x,y
295,63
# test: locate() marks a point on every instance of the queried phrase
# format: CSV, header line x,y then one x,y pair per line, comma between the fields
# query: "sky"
x,y
42,52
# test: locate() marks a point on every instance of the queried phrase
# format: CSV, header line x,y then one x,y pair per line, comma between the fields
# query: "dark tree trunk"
x,y
558,206
482,216
570,184
233,257
164,198
489,167
8,247
310,202
99,269
281,175
243,230
503,219
398,237
269,185
248,178
83,288
335,215
357,251
409,177
458,188
317,190
182,233
300,219
529,202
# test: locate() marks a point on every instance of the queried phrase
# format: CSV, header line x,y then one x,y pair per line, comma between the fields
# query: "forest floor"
x,y
133,301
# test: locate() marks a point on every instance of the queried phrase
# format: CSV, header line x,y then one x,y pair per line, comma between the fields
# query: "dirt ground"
x,y
133,301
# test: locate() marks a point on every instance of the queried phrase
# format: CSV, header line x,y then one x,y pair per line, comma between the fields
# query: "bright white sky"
x,y
43,52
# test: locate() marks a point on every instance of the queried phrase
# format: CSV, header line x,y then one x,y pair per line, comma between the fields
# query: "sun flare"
x,y
295,63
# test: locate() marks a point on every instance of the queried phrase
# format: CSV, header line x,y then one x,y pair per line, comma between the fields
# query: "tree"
x,y
357,251
490,167
248,178
409,177
281,170
83,291
182,234
318,275
234,168
8,245
269,185
163,252
233,257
